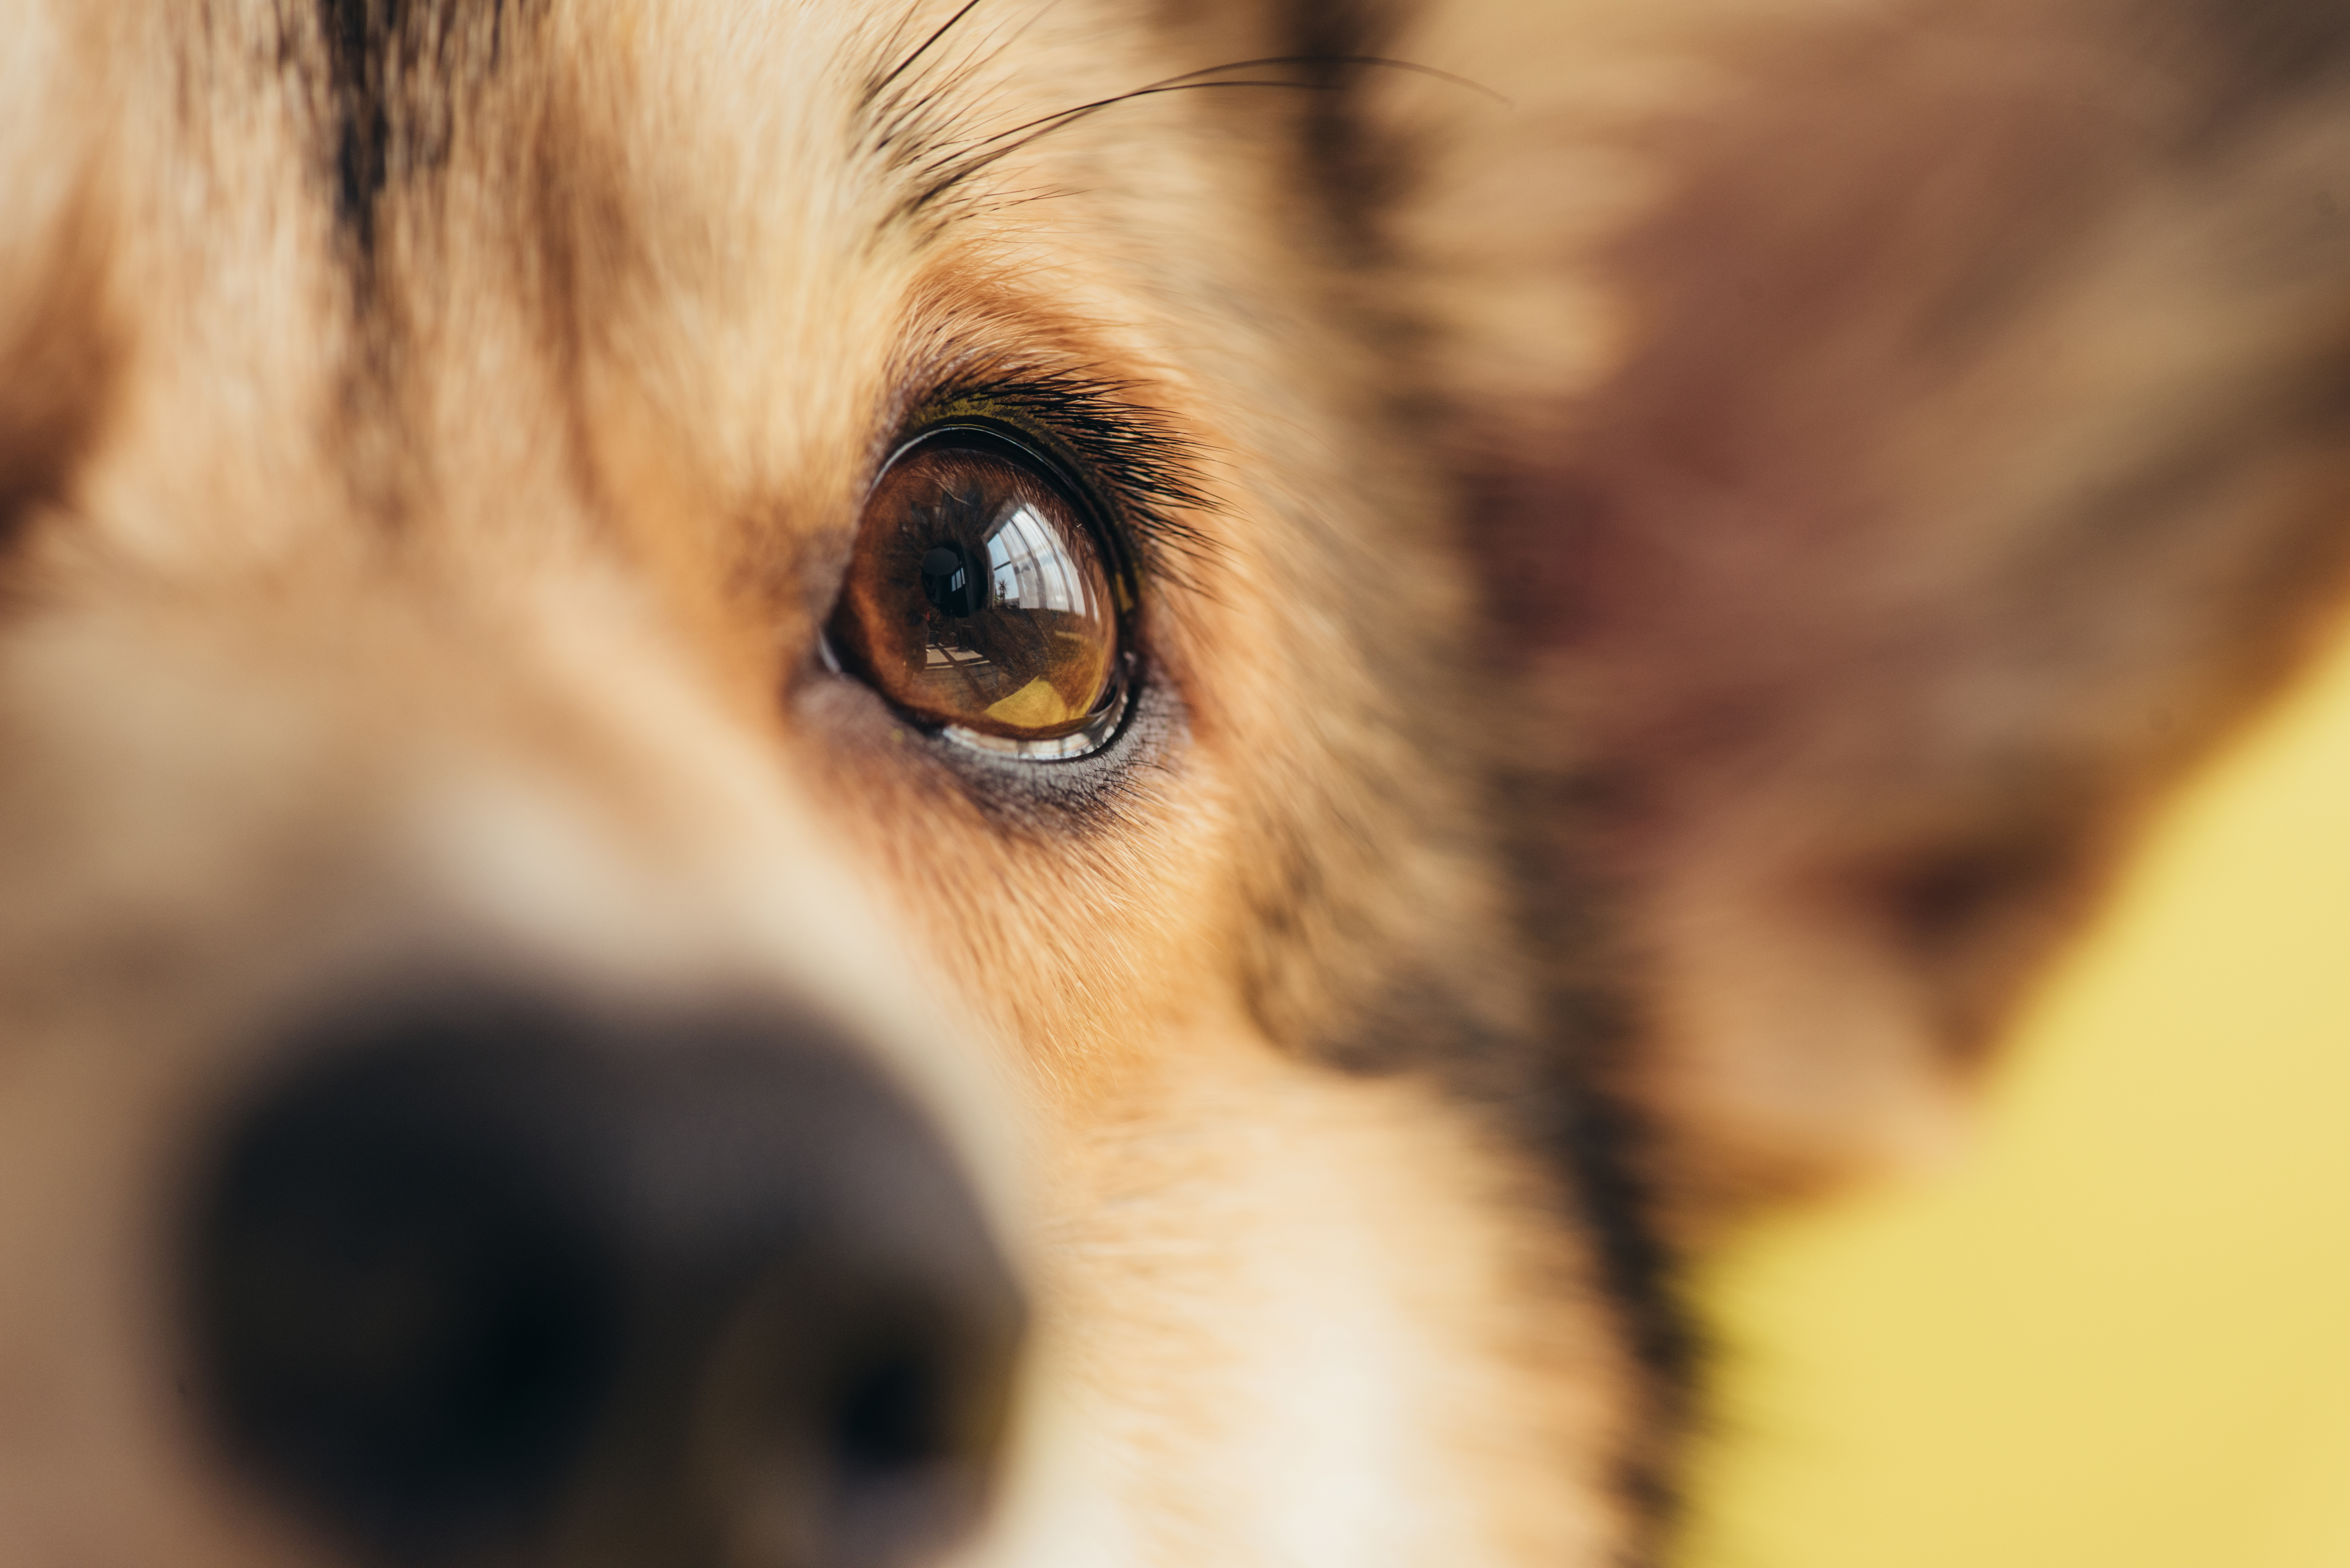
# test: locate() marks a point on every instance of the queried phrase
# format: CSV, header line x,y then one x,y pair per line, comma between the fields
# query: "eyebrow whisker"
x,y
965,162
901,68
950,168
1382,62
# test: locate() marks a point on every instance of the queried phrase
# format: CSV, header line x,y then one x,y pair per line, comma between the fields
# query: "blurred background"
x,y
2121,1334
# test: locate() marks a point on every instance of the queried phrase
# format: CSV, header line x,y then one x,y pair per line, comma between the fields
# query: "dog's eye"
x,y
980,600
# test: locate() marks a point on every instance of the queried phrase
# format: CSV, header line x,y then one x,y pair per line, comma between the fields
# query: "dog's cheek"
x,y
1235,1237
1074,934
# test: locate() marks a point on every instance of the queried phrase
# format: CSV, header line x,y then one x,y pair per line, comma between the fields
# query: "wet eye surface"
x,y
981,600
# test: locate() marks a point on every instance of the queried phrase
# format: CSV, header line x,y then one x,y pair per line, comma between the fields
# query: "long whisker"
x,y
1191,79
903,66
948,167
970,160
1062,117
1379,61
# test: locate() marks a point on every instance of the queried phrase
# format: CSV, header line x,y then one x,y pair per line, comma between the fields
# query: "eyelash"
x,y
1140,473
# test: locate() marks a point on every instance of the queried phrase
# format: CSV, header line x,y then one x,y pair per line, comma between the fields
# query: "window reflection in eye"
x,y
1030,571
979,599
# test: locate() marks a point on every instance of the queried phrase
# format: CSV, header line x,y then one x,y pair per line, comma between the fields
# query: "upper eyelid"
x,y
1112,537
1046,449
1135,469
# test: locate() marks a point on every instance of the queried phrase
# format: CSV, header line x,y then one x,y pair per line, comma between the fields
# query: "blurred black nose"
x,y
486,1279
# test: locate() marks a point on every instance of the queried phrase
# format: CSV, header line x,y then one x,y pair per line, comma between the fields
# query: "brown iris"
x,y
978,597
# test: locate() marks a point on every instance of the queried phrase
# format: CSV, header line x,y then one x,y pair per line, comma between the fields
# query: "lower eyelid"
x,y
1108,717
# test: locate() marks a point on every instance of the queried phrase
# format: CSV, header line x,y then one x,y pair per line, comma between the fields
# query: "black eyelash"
x,y
1144,471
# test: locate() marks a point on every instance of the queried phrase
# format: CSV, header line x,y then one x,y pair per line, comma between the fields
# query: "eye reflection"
x,y
979,600
948,583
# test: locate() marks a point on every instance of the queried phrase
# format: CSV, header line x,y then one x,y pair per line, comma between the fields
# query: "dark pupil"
x,y
948,583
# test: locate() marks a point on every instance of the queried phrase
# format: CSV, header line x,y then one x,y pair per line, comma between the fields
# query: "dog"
x,y
827,784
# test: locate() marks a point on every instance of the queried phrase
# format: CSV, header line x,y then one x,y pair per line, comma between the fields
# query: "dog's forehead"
x,y
496,267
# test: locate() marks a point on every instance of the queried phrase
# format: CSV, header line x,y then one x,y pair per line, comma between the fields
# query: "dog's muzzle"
x,y
488,1279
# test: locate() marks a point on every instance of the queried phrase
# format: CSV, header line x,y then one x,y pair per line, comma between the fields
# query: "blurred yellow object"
x,y
2122,1335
